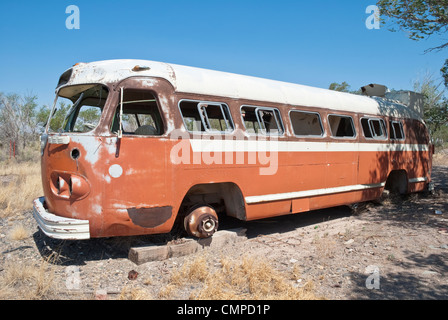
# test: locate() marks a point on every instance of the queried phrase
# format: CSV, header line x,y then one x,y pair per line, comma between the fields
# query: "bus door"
x,y
137,170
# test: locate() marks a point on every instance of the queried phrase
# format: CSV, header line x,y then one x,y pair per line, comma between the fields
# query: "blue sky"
x,y
307,42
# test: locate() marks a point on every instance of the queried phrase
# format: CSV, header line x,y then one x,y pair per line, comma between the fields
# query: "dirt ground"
x,y
394,250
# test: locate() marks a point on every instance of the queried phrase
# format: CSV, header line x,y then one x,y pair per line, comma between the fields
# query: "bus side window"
x,y
374,128
206,116
141,114
306,123
396,130
341,126
262,120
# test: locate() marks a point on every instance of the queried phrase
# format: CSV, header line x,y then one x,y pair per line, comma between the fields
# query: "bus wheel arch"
x,y
224,198
397,182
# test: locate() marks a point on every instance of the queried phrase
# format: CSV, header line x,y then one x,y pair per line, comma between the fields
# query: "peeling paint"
x,y
130,171
91,146
97,209
107,178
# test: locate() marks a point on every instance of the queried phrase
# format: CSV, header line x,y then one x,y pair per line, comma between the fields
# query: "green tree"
x,y
420,19
435,106
18,119
58,118
343,87
444,71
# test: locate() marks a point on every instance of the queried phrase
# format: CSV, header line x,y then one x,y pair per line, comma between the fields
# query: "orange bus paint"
x,y
188,150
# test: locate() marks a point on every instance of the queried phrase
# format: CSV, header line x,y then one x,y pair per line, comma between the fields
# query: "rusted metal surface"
x,y
150,217
131,185
201,222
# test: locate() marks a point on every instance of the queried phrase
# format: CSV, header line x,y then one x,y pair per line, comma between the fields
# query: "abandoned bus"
x,y
137,147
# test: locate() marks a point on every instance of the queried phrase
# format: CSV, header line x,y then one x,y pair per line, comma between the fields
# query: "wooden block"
x,y
140,255
183,249
223,237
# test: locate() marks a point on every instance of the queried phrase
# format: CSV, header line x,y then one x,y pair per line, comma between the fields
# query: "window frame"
x,y
262,129
342,116
391,122
203,119
162,119
322,135
369,121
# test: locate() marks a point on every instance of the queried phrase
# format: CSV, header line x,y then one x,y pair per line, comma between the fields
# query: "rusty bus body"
x,y
174,144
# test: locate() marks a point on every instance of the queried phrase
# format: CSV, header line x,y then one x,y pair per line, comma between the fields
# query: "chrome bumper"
x,y
59,227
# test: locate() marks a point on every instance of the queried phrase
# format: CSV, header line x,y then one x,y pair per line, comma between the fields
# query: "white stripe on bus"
x,y
310,193
206,145
421,179
320,192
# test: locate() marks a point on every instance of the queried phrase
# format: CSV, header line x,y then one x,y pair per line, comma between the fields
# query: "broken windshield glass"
x,y
78,108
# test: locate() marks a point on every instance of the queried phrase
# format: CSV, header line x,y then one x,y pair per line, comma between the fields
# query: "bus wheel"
x,y
201,222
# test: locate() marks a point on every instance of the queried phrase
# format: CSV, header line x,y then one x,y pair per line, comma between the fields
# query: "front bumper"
x,y
59,227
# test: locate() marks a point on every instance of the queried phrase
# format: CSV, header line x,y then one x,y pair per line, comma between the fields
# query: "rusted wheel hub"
x,y
201,222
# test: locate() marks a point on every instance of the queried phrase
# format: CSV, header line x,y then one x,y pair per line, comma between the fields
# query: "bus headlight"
x,y
69,186
79,187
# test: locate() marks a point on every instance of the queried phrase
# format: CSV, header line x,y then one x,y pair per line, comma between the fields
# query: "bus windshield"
x,y
78,108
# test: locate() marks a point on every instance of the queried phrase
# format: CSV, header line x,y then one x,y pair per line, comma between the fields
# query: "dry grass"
x,y
20,184
27,281
19,232
251,278
129,293
325,246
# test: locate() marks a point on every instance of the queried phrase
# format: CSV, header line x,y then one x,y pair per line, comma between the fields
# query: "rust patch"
x,y
150,217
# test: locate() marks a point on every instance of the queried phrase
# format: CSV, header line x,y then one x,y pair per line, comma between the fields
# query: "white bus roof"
x,y
223,84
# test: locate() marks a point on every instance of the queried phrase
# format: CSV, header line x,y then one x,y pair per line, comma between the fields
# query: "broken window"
x,y
373,128
341,126
306,123
206,116
141,114
78,108
262,120
396,130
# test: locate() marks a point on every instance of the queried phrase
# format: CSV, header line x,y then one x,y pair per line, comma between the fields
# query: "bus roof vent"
x,y
374,90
